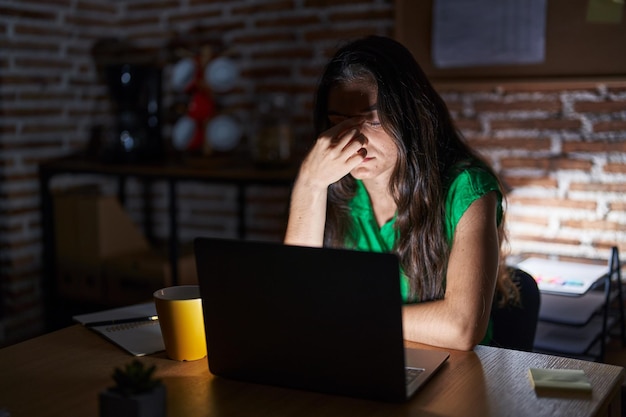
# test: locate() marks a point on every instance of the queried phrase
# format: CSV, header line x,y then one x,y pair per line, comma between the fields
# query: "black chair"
x,y
514,326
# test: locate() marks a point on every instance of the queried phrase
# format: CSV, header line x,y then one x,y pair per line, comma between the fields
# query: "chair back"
x,y
514,326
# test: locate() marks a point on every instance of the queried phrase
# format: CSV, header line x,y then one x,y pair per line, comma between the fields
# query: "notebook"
x,y
129,327
562,277
316,319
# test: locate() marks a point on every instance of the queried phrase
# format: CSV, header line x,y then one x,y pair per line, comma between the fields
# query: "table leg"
x,y
173,239
48,250
241,211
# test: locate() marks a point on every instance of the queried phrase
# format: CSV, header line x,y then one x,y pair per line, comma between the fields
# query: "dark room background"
x,y
560,145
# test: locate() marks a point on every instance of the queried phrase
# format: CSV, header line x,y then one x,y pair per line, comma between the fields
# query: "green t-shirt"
x,y
466,187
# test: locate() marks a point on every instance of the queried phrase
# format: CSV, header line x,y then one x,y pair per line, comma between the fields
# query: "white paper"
x,y
563,277
138,338
470,33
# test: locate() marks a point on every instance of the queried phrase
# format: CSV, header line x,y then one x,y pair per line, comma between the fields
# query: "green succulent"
x,y
134,379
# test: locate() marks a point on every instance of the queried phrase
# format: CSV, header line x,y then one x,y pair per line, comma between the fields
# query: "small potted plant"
x,y
136,393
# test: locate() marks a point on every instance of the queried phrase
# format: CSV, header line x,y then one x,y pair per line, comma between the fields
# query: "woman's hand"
x,y
335,153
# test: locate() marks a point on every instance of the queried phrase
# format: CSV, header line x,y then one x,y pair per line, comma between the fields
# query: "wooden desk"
x,y
240,172
61,373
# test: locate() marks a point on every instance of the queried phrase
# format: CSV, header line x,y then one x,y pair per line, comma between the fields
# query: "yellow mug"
x,y
181,320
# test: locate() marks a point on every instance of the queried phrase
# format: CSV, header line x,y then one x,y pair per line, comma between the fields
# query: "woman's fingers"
x,y
356,142
356,158
336,152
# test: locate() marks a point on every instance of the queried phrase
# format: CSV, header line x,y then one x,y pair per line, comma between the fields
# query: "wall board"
x,y
575,48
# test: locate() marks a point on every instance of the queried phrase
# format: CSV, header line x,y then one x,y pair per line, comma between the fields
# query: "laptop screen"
x,y
318,319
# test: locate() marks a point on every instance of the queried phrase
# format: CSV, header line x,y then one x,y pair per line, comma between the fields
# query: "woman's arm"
x,y
459,321
307,214
335,153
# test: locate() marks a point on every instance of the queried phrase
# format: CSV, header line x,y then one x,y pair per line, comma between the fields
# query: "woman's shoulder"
x,y
473,174
467,183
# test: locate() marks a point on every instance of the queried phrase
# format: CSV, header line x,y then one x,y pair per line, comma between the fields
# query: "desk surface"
x,y
61,373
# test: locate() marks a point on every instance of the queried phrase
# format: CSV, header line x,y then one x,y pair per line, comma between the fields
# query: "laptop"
x,y
315,319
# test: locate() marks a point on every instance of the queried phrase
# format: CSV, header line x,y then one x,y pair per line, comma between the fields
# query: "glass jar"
x,y
271,136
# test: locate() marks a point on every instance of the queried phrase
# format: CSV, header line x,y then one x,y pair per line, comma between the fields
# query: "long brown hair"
x,y
429,146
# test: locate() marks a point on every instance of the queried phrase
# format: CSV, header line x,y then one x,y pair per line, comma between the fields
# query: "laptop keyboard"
x,y
412,373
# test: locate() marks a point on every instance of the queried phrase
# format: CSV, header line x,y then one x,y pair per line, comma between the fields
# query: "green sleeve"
x,y
470,185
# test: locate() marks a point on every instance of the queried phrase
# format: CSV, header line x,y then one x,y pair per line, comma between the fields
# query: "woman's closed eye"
x,y
375,124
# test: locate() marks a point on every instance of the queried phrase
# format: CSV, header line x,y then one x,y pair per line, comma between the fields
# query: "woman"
x,y
389,172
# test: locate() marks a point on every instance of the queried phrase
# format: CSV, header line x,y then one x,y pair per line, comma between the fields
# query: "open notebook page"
x,y
137,338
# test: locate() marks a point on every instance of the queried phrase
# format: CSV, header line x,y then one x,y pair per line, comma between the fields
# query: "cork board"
x,y
574,47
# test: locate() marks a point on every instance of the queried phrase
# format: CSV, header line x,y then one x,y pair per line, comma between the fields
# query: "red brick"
x,y
455,106
287,53
48,30
515,87
65,3
553,202
181,17
548,86
608,244
361,15
29,46
468,124
617,206
443,87
582,260
598,187
96,6
48,95
610,126
546,163
8,130
32,112
149,35
26,145
265,38
519,182
327,3
593,225
615,168
552,106
571,164
136,21
531,124
338,34
267,72
107,22
537,221
47,127
288,21
275,6
525,162
156,5
596,146
531,144
616,88
48,63
541,239
8,11
600,106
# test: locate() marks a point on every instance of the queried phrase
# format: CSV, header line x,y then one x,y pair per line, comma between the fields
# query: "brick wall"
x,y
560,146
560,150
